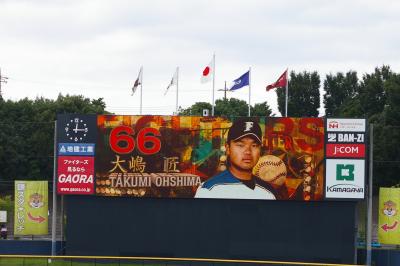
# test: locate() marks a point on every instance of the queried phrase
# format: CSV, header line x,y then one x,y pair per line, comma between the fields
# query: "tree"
x,y
386,127
372,93
196,109
369,97
6,204
338,89
303,97
261,109
79,104
228,107
392,106
231,107
27,134
376,98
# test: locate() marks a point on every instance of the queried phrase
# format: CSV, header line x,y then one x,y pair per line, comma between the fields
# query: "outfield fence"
x,y
33,260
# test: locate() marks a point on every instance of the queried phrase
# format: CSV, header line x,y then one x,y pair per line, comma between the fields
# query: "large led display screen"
x,y
210,157
263,158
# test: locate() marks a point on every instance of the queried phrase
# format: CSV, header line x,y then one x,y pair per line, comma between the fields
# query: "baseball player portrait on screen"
x,y
269,158
243,151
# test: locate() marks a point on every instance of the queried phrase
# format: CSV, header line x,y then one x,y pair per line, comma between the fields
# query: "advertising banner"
x,y
345,125
210,157
75,175
345,150
76,137
389,221
345,178
31,208
3,216
345,153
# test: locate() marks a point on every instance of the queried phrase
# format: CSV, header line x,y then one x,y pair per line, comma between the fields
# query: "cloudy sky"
x,y
96,47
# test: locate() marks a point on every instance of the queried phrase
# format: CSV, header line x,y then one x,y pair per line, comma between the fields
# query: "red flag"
x,y
281,82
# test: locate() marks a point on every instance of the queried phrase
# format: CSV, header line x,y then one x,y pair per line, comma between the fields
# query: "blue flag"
x,y
242,81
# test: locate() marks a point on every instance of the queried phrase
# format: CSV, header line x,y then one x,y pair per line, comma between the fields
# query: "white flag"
x,y
207,72
138,81
174,81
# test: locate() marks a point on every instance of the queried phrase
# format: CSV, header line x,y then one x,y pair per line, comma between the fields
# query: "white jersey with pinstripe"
x,y
227,186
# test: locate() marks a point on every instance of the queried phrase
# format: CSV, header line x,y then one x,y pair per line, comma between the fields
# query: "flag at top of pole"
x,y
280,83
209,71
173,81
241,81
283,81
138,81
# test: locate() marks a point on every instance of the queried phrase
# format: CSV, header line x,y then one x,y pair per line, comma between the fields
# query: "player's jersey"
x,y
227,186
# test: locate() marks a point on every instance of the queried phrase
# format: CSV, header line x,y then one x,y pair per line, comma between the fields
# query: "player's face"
x,y
243,153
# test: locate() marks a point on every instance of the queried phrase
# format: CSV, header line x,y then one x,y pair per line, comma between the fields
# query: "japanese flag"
x,y
207,72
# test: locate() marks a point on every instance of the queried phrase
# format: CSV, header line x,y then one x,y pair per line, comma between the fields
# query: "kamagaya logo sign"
x,y
345,178
345,172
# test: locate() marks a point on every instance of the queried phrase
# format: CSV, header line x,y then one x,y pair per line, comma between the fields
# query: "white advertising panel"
x,y
345,178
345,125
3,216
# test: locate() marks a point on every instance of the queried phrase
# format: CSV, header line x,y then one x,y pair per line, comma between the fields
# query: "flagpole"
x,y
177,78
249,87
141,90
212,105
286,93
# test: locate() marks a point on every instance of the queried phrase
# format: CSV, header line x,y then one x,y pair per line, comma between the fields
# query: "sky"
x,y
95,48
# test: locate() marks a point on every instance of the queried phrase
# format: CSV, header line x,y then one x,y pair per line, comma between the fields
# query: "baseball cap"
x,y
245,128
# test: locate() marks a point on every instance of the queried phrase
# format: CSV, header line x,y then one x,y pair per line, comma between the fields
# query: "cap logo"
x,y
249,126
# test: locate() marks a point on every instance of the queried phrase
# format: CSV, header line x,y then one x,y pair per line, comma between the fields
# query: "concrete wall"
x,y
237,229
29,247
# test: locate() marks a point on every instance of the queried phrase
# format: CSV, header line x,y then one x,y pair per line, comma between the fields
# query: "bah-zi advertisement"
x,y
210,157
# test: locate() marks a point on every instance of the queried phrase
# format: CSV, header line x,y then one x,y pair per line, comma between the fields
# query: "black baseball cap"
x,y
245,128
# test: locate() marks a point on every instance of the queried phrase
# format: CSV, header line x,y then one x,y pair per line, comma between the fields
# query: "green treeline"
x,y
27,126
27,135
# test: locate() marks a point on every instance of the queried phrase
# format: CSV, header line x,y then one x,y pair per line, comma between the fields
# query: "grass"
x,y
87,262
19,261
70,262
